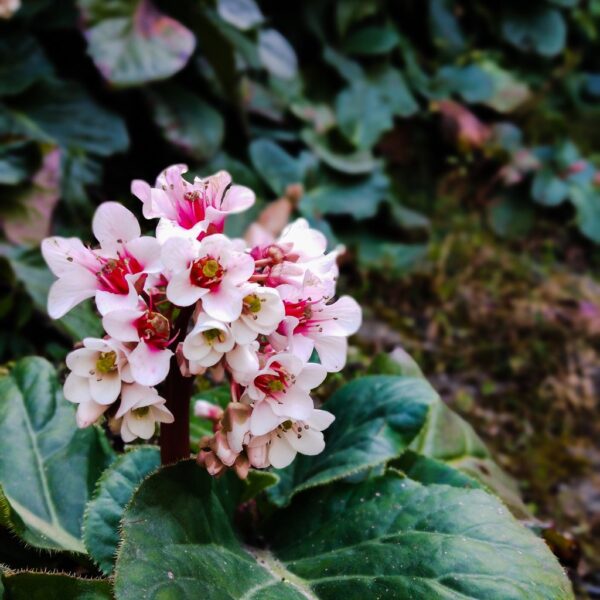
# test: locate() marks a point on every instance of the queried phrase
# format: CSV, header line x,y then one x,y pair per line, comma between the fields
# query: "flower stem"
x,y
177,390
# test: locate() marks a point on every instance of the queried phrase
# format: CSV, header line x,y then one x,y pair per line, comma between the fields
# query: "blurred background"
x,y
450,145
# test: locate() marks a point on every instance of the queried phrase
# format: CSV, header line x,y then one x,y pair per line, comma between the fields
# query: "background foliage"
x,y
451,145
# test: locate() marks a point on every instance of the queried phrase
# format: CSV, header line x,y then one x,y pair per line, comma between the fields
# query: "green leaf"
x,y
132,43
360,199
390,258
47,466
18,160
357,163
22,63
376,419
548,189
276,54
113,492
388,537
472,83
243,14
187,121
508,93
445,28
542,31
45,113
199,427
53,586
511,217
363,115
398,362
587,206
372,40
277,168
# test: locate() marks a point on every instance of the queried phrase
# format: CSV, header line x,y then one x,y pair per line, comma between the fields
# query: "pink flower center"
x,y
273,384
206,272
192,209
112,274
154,329
301,310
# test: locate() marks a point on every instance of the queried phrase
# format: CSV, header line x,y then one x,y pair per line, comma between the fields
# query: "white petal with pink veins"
x,y
182,292
62,254
263,419
82,361
105,387
239,268
332,352
149,366
113,225
308,441
77,389
224,303
281,454
146,250
121,324
302,346
167,229
88,413
237,199
71,289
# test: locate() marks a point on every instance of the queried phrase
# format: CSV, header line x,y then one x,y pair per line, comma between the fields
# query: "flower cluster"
x,y
191,299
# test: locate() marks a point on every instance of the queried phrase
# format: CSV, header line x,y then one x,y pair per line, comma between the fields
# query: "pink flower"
x,y
311,324
140,410
108,273
298,254
279,447
205,345
281,389
191,209
150,360
243,362
211,270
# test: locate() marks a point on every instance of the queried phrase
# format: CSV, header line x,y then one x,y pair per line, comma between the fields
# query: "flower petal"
x,y
82,361
88,413
113,225
281,454
62,254
307,441
332,352
311,376
181,291
77,389
224,303
121,324
105,387
320,419
68,291
263,419
149,366
146,250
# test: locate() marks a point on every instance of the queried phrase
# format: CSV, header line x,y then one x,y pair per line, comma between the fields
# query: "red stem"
x,y
177,390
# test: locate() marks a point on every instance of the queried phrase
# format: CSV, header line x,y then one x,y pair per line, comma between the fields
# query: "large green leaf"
x,y
53,586
48,467
113,492
541,30
276,54
22,62
62,113
187,121
133,43
275,165
243,14
388,537
376,419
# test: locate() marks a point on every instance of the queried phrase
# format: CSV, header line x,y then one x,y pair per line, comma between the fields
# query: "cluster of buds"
x,y
191,299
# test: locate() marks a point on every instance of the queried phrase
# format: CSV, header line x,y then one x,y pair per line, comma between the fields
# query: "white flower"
x,y
94,383
211,270
280,446
207,342
262,311
141,409
243,362
281,390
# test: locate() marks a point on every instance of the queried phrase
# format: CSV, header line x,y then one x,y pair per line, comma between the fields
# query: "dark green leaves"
x,y
22,62
388,537
540,30
132,43
53,586
275,165
64,114
113,492
187,121
47,466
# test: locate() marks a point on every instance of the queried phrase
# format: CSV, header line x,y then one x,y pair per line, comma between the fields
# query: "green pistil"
x,y
210,268
141,412
213,334
107,362
252,303
276,385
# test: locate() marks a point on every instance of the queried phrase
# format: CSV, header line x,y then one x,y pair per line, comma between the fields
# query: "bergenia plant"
x,y
191,301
